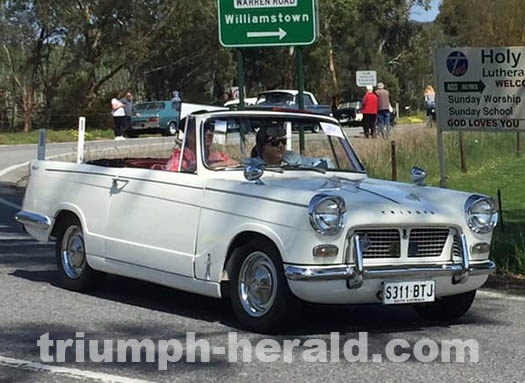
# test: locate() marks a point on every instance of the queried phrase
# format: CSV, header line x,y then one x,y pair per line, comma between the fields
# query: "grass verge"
x,y
19,138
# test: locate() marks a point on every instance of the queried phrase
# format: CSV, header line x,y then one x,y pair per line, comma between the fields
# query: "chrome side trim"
x,y
346,272
33,219
257,197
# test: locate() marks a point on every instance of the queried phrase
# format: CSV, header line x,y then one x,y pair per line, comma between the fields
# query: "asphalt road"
x,y
32,304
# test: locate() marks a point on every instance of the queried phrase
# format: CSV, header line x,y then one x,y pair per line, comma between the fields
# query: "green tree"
x,y
482,22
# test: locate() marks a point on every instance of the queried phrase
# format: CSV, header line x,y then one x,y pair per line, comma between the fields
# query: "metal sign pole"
x,y
81,139
300,87
41,154
441,149
240,77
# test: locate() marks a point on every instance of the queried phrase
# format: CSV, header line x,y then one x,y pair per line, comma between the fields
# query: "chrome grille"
x,y
427,242
380,243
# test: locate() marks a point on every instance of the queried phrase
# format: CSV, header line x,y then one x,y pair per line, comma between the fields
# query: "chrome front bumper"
x,y
356,273
32,219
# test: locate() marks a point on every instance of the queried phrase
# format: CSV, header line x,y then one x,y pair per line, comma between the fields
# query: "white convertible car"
x,y
242,208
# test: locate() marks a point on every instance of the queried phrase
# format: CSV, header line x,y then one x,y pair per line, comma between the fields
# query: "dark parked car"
x,y
349,113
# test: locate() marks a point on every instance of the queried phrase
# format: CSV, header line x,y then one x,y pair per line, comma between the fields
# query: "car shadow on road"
x,y
312,320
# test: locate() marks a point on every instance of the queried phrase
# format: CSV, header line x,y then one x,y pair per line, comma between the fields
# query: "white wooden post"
x,y
81,139
288,126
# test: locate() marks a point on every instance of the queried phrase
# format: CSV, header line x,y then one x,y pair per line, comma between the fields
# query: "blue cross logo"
x,y
457,64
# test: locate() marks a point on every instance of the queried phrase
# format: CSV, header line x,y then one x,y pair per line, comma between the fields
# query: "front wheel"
x,y
446,308
74,272
261,298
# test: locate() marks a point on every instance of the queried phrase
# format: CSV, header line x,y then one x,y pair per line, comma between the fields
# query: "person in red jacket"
x,y
369,110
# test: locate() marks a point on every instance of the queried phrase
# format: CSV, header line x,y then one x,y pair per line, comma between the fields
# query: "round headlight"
x,y
327,214
481,214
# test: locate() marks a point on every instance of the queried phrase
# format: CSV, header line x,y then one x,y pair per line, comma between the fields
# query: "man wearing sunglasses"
x,y
270,146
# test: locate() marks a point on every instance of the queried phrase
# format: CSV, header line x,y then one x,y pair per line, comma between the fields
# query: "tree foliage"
x,y
483,22
61,58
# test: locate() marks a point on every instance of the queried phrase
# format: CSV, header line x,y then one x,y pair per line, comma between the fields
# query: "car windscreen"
x,y
141,107
156,106
232,142
276,98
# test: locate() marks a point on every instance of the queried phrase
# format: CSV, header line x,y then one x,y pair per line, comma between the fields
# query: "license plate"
x,y
408,292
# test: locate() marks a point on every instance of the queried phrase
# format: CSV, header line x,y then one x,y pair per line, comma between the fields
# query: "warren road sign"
x,y
254,23
481,88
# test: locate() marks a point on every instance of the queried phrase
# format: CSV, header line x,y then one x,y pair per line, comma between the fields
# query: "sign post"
x,y
81,139
240,77
479,89
41,152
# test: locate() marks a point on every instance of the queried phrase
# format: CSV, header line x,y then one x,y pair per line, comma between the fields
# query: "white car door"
x,y
153,219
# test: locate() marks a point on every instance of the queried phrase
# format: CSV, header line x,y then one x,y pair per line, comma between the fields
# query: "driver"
x,y
270,147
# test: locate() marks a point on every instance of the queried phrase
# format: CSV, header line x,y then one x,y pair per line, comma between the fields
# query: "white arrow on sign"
x,y
281,33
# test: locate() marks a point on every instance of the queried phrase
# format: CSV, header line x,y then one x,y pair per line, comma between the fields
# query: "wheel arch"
x,y
64,211
244,237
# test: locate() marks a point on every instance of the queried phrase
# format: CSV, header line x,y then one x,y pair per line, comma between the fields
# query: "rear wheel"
x,y
316,128
131,134
261,298
74,272
171,129
446,308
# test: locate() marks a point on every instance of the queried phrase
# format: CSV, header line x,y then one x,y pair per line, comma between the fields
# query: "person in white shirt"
x,y
430,101
119,117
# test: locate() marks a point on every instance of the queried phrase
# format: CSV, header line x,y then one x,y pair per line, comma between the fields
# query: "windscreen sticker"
x,y
332,130
221,126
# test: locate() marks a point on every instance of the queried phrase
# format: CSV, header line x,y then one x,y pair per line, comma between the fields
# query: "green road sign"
x,y
254,23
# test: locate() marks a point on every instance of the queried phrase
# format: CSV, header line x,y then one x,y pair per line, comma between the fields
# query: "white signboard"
x,y
332,130
481,88
366,78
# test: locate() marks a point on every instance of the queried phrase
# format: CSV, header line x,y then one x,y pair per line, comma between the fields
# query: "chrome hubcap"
x,y
73,252
257,284
173,128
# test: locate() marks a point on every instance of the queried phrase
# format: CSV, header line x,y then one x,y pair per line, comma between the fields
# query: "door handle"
x,y
117,179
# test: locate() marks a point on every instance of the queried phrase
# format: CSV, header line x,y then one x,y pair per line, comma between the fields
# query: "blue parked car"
x,y
155,117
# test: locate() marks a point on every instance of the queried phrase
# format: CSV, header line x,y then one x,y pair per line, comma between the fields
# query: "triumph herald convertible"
x,y
246,208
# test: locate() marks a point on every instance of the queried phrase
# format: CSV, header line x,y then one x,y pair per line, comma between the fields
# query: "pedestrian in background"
x,y
176,101
119,116
430,101
127,101
335,103
383,114
369,110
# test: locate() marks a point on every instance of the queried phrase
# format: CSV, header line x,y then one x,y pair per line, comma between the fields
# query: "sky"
x,y
420,14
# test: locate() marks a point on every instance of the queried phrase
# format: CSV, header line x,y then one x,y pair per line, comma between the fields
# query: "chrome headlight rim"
x,y
469,206
315,202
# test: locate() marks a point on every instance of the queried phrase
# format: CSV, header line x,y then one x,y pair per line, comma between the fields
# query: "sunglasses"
x,y
276,141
